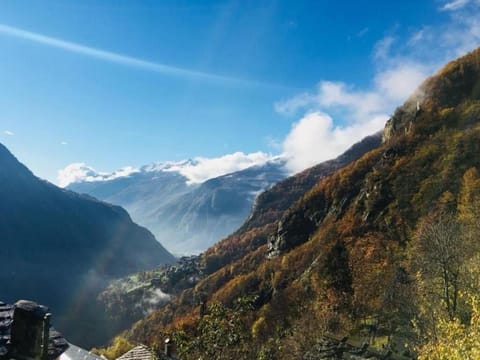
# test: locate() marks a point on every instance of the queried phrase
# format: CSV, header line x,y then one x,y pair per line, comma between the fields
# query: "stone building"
x,y
142,352
26,333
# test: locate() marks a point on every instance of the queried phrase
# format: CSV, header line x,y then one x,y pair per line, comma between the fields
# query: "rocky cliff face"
x,y
457,81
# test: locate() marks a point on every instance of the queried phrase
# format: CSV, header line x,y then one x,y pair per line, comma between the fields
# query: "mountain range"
x,y
185,217
357,247
129,299
60,248
338,255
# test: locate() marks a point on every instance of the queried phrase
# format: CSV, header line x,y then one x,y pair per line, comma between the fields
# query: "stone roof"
x,y
57,344
140,352
77,353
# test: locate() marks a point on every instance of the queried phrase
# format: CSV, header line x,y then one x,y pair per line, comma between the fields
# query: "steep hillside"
x,y
276,200
123,297
338,260
59,248
187,219
271,204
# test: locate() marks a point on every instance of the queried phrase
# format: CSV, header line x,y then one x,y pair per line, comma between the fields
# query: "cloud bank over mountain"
x,y
77,172
203,169
336,114
198,170
315,138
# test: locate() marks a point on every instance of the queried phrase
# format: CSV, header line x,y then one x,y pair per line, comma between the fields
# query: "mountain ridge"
x,y
186,217
55,242
172,280
337,258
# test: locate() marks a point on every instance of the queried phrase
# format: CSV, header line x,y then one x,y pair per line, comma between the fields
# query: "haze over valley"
x,y
240,180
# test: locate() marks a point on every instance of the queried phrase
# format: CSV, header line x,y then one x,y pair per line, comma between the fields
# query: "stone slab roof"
x,y
140,352
57,344
77,353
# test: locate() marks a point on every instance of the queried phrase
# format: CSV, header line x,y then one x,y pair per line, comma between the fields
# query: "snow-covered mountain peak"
x,y
196,171
202,169
168,165
81,172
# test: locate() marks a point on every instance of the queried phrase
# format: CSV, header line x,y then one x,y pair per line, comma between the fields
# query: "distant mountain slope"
x,y
59,248
122,298
187,219
335,260
271,204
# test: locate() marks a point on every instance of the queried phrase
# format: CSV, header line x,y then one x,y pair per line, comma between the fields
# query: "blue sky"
x,y
117,83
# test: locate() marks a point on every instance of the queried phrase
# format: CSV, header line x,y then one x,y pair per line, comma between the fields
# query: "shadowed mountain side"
x,y
59,248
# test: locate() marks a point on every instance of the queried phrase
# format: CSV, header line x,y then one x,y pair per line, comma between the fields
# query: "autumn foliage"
x,y
383,226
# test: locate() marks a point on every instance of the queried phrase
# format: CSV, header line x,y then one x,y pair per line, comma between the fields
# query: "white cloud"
x,y
382,47
454,5
335,114
202,169
397,83
440,43
390,87
63,143
362,32
273,143
466,35
290,106
197,170
81,172
75,172
418,36
315,138
9,133
119,58
357,104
